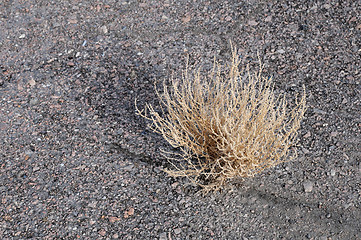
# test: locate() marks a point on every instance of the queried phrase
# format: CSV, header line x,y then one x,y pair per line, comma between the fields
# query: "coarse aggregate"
x,y
77,163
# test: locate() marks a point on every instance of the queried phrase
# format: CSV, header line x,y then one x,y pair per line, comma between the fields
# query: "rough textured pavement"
x,y
75,161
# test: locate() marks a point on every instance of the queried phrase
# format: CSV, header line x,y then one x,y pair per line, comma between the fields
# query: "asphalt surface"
x,y
77,163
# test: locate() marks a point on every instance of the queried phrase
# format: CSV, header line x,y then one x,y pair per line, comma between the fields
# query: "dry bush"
x,y
226,125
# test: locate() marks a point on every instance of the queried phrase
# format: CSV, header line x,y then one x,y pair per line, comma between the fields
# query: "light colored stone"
x,y
104,29
252,23
308,186
163,236
268,19
32,82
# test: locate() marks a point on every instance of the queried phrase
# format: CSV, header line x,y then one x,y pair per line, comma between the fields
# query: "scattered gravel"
x,y
76,162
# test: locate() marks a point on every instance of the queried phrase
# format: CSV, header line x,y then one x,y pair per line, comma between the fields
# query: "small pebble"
x,y
228,18
268,19
307,135
102,232
36,169
308,186
104,29
347,205
32,82
34,101
333,172
252,23
163,236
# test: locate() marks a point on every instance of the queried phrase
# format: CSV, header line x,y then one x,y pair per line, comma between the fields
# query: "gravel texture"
x,y
75,161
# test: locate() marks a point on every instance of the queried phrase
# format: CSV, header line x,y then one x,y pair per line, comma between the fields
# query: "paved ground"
x,y
75,161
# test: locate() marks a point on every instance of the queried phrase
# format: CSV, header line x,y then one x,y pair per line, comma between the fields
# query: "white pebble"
x,y
308,186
